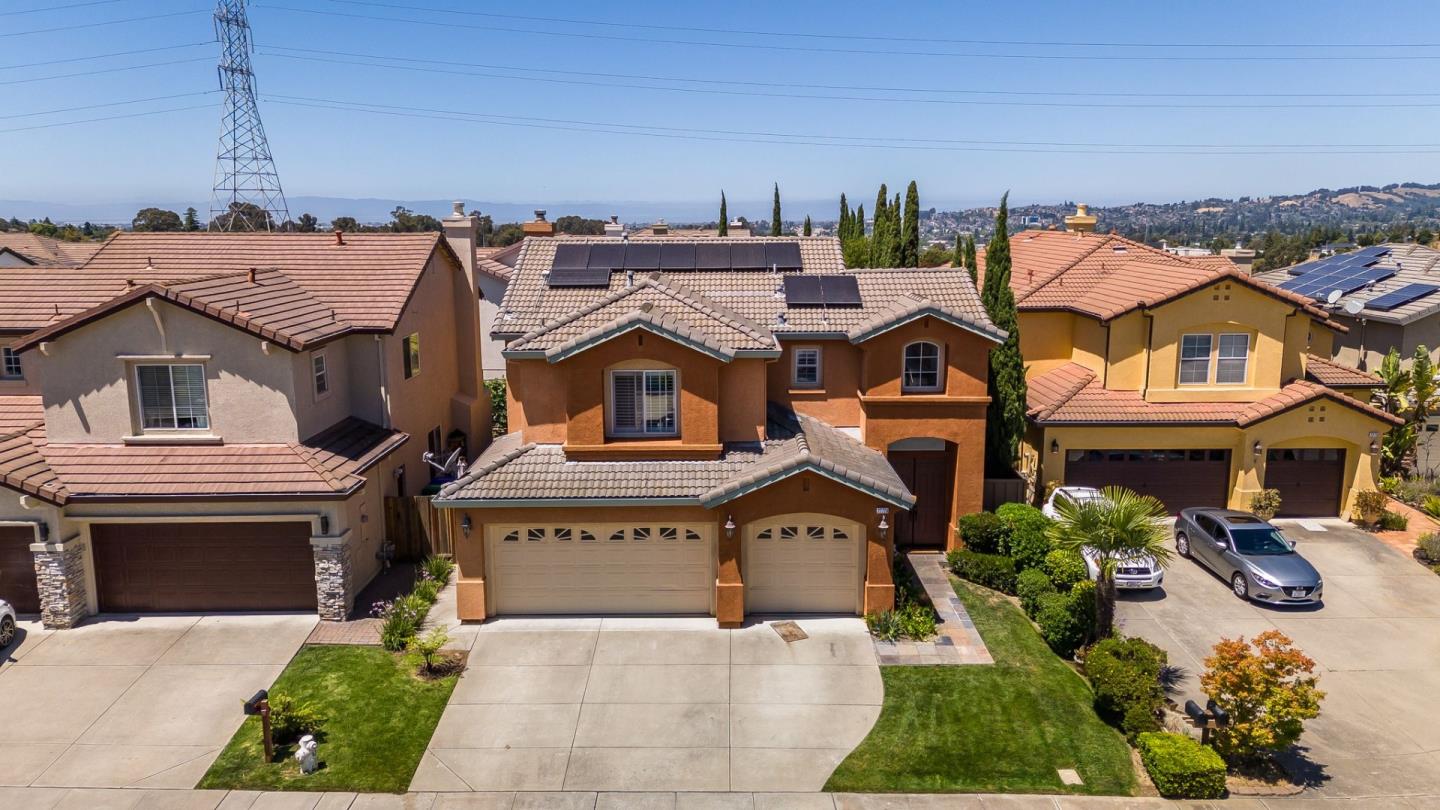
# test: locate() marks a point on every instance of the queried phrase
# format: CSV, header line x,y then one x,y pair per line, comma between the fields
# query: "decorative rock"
x,y
60,574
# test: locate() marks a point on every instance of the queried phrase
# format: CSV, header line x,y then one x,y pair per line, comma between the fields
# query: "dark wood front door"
x,y
17,569
1309,480
930,477
1178,478
179,567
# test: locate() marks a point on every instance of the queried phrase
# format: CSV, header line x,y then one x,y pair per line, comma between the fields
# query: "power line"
x,y
105,55
76,26
878,38
103,70
809,49
943,101
272,49
108,118
107,104
57,8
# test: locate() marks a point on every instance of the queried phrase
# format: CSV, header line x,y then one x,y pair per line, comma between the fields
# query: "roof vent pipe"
x,y
629,278
339,237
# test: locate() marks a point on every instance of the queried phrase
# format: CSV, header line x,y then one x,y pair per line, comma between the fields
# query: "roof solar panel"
x,y
580,277
748,256
1400,297
802,290
677,257
608,256
712,257
782,255
571,257
1319,283
642,256
840,291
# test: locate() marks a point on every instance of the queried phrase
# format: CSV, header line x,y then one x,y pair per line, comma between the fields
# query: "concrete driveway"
x,y
654,705
1376,641
126,701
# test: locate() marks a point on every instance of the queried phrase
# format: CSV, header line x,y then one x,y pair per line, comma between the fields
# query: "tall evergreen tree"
x,y
1005,415
806,231
724,216
775,213
958,259
857,223
191,221
842,229
893,235
879,234
971,263
910,233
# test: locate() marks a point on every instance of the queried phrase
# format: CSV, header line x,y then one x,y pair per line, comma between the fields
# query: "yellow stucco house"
x,y
1184,379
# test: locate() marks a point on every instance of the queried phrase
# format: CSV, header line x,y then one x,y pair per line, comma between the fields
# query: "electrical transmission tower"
x,y
247,188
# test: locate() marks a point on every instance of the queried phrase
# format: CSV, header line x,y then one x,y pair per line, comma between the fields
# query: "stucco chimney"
x,y
660,228
539,226
462,231
1082,221
613,227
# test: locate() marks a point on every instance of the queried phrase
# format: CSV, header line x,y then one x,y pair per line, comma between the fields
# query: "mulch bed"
x,y
1263,778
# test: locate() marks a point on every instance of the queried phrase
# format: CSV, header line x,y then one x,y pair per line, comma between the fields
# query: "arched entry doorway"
x,y
804,563
927,466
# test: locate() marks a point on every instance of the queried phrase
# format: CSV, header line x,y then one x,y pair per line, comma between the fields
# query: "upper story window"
x,y
10,368
321,373
805,372
1231,364
172,397
410,346
644,403
1195,359
921,367
1229,353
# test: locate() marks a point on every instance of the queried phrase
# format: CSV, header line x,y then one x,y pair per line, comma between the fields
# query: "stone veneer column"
x,y
60,572
332,579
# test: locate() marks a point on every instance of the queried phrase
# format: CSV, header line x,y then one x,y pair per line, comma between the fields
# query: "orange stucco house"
x,y
720,426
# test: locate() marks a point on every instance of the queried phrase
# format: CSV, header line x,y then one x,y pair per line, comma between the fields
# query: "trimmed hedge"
x,y
1025,541
1125,673
1030,586
1065,568
1180,767
983,533
1061,624
994,571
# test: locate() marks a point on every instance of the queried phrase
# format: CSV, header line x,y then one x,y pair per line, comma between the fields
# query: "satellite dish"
x,y
1353,307
1333,297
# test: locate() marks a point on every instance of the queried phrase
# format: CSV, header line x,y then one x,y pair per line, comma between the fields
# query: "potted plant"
x,y
1265,503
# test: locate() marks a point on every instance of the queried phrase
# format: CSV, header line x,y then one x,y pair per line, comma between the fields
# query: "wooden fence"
x,y
416,528
999,491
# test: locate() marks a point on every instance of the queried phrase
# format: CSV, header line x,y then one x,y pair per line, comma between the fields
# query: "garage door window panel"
x,y
644,403
172,397
1195,359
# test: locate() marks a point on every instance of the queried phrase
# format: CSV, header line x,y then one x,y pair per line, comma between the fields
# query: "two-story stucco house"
x,y
1185,380
720,426
219,417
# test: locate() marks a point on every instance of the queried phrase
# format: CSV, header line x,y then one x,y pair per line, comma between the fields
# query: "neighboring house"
x,y
21,249
720,426
222,416
1187,381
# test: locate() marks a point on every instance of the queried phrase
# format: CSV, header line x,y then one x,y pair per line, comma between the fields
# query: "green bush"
x,y
911,620
1125,673
1180,767
1393,521
1082,595
983,532
1061,624
1026,542
290,719
400,619
427,589
499,419
439,568
1065,568
1429,545
884,625
1265,503
994,571
1030,586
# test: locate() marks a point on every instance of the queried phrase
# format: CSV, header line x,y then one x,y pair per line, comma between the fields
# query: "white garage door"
x,y
601,568
803,563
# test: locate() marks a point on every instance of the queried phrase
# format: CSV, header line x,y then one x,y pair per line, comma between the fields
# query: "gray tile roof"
x,y
1412,264
755,295
511,470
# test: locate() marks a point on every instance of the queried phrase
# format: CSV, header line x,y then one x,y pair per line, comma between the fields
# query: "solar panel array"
x,y
1347,278
1400,297
1363,257
581,265
830,291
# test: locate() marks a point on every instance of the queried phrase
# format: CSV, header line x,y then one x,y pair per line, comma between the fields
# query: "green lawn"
x,y
1004,728
380,718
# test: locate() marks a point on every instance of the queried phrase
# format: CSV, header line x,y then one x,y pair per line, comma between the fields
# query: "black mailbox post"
x,y
259,703
1210,717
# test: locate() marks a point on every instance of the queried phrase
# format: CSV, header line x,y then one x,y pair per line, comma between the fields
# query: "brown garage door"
x,y
203,566
1178,478
1309,480
17,569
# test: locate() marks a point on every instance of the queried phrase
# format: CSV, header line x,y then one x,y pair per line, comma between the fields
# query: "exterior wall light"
x,y
466,525
1257,448
884,527
729,525
1054,446
324,524
1374,441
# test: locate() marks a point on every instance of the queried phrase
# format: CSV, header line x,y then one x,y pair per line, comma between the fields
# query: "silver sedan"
x,y
1255,558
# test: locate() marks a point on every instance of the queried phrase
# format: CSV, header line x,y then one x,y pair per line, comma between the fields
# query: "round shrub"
x,y
1026,542
1059,623
1181,767
1125,673
1082,596
1065,568
994,571
1030,586
983,532
1429,545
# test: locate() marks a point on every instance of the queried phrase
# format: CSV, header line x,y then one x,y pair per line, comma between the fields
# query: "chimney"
x,y
462,232
539,227
660,228
738,228
1081,221
339,237
249,277
613,227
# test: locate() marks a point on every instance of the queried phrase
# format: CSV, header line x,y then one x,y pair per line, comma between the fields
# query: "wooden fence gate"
x,y
417,528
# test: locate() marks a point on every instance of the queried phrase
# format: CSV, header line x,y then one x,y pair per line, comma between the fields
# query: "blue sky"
x,y
356,154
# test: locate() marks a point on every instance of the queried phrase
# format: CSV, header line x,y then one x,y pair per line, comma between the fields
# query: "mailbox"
x,y
252,706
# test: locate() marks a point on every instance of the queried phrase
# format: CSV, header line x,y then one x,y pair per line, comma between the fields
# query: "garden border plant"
x,y
402,618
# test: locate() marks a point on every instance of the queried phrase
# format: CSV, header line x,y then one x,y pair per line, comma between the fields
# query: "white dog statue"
x,y
305,754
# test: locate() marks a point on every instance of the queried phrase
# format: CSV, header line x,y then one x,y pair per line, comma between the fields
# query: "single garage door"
x,y
162,567
1309,480
17,569
803,563
615,569
1178,478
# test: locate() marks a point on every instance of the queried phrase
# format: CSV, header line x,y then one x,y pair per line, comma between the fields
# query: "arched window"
x,y
921,370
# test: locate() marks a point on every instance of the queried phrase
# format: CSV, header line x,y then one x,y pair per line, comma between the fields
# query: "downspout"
x,y
384,383
159,324
1149,348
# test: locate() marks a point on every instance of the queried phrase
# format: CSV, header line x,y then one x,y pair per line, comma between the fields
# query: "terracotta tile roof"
x,y
908,307
1411,264
756,295
367,281
1064,396
47,251
22,437
1105,276
497,261
1333,375
510,470
657,303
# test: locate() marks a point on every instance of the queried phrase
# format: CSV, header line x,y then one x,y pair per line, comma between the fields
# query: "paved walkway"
x,y
360,628
956,641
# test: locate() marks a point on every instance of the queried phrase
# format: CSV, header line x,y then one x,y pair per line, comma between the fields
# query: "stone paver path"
x,y
956,641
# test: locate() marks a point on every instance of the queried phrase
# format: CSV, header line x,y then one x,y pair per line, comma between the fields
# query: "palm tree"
x,y
1120,526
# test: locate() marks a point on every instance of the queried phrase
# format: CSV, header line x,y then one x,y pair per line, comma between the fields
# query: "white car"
x,y
1141,573
7,624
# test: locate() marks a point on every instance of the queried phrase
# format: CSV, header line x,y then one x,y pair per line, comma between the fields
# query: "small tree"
x,y
191,221
423,650
1268,687
724,216
1120,526
910,228
775,213
1394,399
499,416
806,231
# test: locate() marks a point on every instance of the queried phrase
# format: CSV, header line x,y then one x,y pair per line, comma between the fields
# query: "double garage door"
x,y
1178,478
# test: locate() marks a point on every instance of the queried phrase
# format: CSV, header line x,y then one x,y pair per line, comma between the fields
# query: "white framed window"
x,y
1231,365
644,403
10,368
1195,359
805,371
172,396
320,373
410,346
921,367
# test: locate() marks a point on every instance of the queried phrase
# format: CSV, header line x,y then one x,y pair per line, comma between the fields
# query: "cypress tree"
x,y
857,223
958,260
1005,415
879,238
775,213
806,232
724,217
971,263
893,235
910,233
842,230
